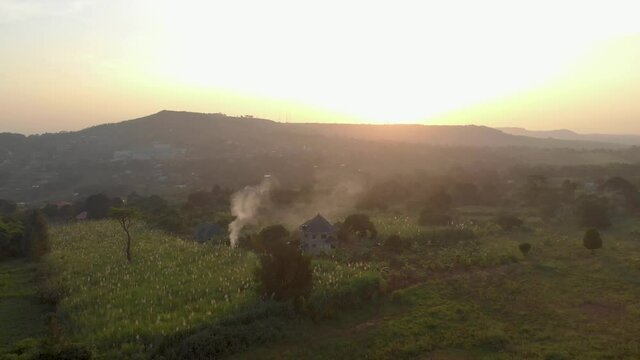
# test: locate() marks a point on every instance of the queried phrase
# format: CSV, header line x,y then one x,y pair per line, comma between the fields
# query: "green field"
x,y
561,302
444,295
172,286
22,315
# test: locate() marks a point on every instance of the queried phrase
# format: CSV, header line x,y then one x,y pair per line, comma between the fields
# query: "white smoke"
x,y
245,206
332,195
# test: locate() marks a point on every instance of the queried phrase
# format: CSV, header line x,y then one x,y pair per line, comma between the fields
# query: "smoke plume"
x,y
246,205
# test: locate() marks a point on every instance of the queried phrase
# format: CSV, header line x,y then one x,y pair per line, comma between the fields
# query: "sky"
x,y
70,64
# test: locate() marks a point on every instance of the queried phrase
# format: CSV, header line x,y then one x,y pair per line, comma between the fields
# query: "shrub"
x,y
359,225
592,239
524,248
284,272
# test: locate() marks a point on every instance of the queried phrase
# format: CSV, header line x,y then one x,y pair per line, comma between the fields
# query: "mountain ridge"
x,y
565,134
161,125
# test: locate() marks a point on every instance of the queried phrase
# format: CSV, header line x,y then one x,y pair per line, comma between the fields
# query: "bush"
x,y
284,272
359,225
592,239
524,248
509,222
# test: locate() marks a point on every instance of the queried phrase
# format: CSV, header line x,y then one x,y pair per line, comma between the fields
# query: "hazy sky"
x,y
69,64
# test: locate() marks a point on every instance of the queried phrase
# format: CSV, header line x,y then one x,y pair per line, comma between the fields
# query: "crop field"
x,y
121,309
560,302
471,294
463,245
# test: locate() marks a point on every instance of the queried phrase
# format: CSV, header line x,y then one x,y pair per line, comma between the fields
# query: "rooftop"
x,y
317,224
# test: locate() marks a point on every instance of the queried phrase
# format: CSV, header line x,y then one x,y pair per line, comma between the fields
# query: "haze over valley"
x,y
327,180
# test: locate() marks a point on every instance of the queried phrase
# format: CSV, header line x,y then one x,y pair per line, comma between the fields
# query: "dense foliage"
x,y
592,239
284,272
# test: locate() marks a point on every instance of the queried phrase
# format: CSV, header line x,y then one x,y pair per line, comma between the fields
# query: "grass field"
x,y
560,303
22,315
124,310
469,298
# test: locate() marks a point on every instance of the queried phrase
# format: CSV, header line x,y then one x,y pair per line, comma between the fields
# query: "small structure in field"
x,y
318,235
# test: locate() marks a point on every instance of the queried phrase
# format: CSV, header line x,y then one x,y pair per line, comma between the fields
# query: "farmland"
x,y
124,310
455,292
561,302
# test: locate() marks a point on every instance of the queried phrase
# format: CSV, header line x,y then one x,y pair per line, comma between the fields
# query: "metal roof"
x,y
318,224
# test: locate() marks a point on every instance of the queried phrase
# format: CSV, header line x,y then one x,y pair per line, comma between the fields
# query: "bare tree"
x,y
126,218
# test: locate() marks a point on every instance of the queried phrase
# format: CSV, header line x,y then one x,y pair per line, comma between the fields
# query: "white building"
x,y
318,235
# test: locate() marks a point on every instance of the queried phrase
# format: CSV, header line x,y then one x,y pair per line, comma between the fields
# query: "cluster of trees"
x,y
22,233
356,226
175,218
413,192
284,273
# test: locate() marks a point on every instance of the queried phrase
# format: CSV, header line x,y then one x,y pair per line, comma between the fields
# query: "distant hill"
x,y
564,134
196,130
183,128
173,151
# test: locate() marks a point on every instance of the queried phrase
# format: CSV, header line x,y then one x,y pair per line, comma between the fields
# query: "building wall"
x,y
315,243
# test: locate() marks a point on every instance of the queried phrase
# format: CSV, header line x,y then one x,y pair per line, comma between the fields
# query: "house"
x,y
318,235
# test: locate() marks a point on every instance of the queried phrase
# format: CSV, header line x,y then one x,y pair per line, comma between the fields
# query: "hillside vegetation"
x,y
171,151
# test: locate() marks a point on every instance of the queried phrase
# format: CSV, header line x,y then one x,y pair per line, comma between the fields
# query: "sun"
x,y
380,63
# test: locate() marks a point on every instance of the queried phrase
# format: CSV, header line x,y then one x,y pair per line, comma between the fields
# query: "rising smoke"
x,y
245,205
332,196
